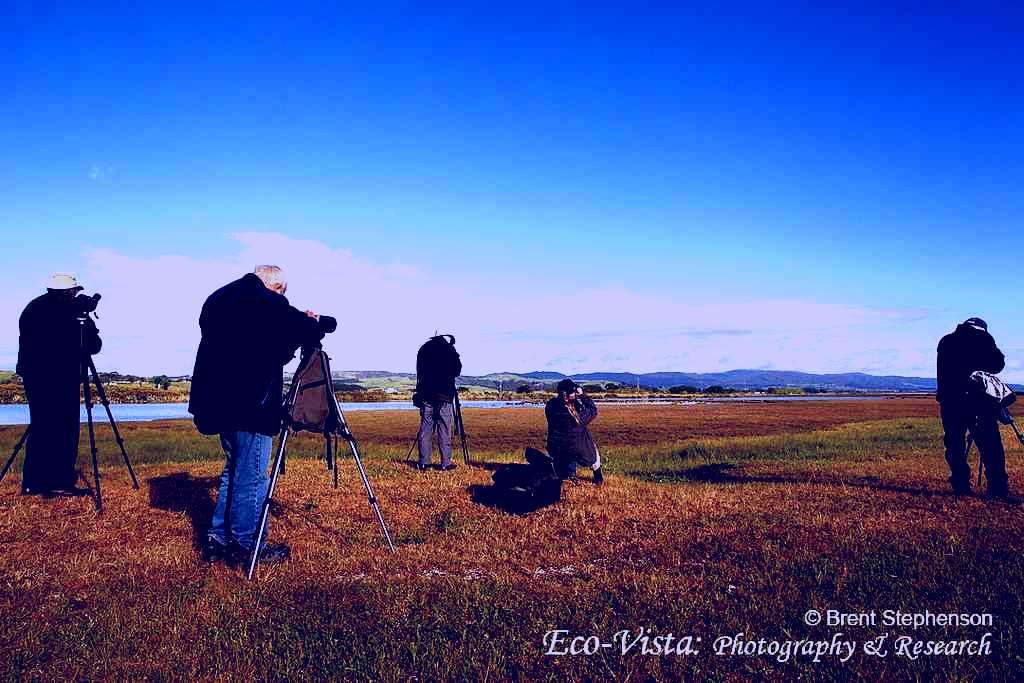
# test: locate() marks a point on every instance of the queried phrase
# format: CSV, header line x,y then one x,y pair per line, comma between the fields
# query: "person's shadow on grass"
x,y
181,492
729,473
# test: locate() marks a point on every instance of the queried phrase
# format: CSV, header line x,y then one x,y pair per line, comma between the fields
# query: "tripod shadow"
x,y
489,466
728,473
474,464
181,492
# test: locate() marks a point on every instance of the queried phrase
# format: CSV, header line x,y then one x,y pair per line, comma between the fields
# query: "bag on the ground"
x,y
991,390
315,408
522,488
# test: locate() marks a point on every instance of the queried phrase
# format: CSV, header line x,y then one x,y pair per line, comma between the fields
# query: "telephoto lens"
x,y
328,324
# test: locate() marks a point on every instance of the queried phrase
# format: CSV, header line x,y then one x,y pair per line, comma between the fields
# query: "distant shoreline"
x,y
369,397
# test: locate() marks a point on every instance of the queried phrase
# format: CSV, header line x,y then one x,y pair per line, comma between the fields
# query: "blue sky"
x,y
696,188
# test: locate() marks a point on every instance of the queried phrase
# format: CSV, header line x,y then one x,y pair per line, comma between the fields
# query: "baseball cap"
x,y
63,281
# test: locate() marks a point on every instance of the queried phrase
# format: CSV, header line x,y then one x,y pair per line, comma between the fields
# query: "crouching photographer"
x,y
55,334
569,440
249,333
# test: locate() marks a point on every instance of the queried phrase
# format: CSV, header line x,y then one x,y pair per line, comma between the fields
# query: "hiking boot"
x,y
598,477
272,553
448,468
70,491
960,488
421,467
215,550
998,492
35,491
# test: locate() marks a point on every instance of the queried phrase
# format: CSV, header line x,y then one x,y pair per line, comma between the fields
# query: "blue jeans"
x,y
243,487
439,420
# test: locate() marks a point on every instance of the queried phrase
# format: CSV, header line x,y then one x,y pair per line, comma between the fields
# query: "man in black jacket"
x,y
55,332
249,332
437,366
969,348
569,440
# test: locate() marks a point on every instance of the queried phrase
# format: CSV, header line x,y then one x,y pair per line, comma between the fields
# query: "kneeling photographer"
x,y
55,333
249,333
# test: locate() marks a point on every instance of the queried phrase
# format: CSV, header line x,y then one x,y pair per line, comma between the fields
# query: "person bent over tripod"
x,y
968,348
437,366
55,335
249,333
569,439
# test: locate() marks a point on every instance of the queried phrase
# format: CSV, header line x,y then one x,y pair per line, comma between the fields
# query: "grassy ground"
x,y
720,520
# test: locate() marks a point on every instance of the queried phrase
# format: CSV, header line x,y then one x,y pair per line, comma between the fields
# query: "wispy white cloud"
x,y
100,173
151,306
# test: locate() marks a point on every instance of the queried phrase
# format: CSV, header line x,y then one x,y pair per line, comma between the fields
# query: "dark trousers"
x,y
566,464
52,449
957,419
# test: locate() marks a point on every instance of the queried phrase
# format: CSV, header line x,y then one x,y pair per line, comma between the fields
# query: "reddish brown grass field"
x,y
649,424
789,507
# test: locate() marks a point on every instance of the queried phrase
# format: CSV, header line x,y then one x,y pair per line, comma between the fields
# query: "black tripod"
x,y
1006,419
459,427
331,433
87,366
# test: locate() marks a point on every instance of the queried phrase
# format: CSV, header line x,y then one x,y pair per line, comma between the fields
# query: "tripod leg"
x,y
17,448
335,471
331,444
416,440
369,493
461,426
967,456
101,392
261,530
87,397
408,456
1013,424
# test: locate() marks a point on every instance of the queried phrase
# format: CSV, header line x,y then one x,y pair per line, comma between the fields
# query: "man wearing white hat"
x,y
50,350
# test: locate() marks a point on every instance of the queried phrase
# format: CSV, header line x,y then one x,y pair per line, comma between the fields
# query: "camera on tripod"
x,y
84,305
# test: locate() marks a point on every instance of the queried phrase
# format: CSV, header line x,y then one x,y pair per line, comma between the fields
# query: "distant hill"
x,y
766,379
556,376
744,380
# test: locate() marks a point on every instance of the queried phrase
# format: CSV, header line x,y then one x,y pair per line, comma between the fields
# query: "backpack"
x,y
991,391
315,408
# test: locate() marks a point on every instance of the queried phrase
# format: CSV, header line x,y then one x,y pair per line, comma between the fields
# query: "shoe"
x,y
449,467
998,492
421,467
32,491
216,551
70,491
598,477
960,488
271,553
